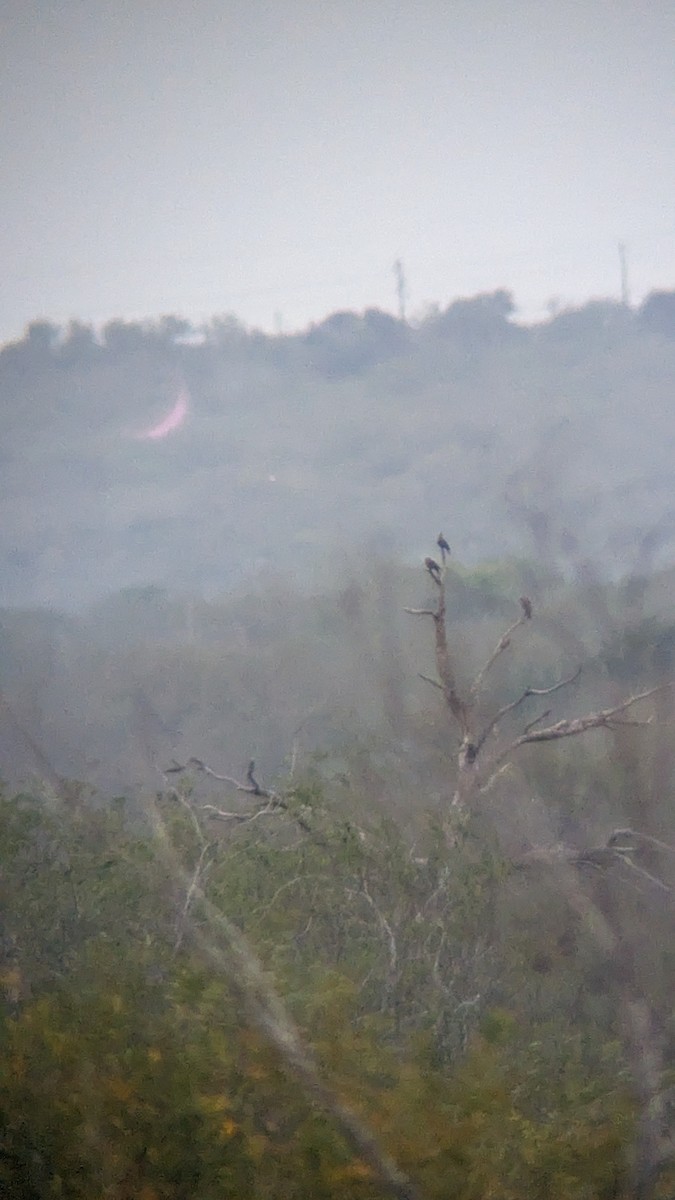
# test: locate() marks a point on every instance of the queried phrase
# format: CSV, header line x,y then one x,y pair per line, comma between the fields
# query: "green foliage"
x,y
128,1070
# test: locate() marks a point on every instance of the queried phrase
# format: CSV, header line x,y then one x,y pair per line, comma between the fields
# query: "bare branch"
x,y
647,875
608,718
243,818
295,747
251,786
433,682
436,968
446,675
391,937
194,883
599,858
499,773
185,803
502,645
198,765
295,742
276,802
514,704
537,720
264,908
619,836
555,687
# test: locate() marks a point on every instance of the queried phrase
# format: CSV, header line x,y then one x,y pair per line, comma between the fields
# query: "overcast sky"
x,y
273,158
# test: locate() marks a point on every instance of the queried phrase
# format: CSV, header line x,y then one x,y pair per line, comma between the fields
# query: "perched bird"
x,y
442,545
250,778
433,569
526,605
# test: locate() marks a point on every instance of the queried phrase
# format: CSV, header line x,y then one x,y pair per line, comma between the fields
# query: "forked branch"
x,y
275,802
502,645
514,704
607,718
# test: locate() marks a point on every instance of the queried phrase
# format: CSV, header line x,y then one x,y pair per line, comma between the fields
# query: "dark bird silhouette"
x,y
250,778
442,545
526,605
433,569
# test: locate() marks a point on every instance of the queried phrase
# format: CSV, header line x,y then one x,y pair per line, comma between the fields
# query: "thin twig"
x,y
189,896
433,682
263,908
435,970
243,818
537,720
391,937
502,645
295,737
504,769
251,786
647,875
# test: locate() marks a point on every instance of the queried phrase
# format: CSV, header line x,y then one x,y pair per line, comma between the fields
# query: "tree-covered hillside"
x,y
297,446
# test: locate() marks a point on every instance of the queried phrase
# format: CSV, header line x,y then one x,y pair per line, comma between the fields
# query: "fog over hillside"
x,y
283,451
337,634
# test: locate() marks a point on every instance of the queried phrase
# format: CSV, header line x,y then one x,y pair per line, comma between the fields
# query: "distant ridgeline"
x,y
197,457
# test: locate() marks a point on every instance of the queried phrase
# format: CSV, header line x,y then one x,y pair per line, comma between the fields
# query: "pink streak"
x,y
172,421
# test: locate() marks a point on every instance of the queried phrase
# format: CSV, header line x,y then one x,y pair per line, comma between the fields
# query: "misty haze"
x,y
337,638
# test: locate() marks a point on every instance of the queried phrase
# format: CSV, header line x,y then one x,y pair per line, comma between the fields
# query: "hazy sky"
x,y
273,157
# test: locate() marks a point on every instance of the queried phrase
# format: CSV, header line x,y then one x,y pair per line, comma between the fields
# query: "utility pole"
x,y
401,288
623,264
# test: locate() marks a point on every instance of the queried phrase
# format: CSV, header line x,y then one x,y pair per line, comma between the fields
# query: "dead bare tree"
x,y
485,753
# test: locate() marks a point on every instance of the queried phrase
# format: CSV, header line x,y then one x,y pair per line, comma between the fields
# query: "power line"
x,y
401,288
623,263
